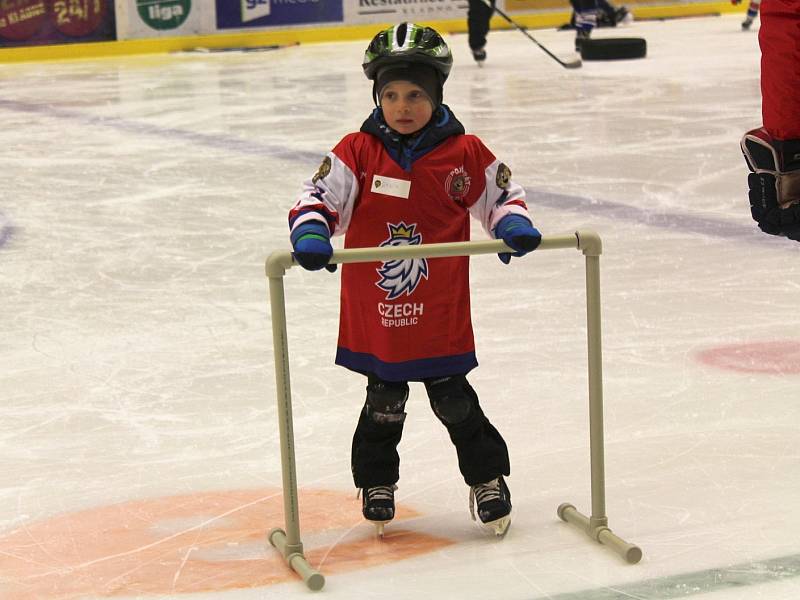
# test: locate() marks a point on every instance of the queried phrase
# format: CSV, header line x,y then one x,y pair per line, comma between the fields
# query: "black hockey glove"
x,y
774,182
312,246
518,234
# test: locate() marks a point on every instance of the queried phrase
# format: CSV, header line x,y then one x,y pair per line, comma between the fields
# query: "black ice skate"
x,y
479,55
494,504
747,23
581,35
623,15
377,505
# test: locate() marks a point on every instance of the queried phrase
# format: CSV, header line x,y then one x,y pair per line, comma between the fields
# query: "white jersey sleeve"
x,y
500,197
328,196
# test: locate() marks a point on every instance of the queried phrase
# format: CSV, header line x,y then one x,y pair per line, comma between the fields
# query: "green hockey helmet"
x,y
406,45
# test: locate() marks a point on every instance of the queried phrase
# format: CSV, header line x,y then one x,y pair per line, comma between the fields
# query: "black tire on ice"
x,y
613,48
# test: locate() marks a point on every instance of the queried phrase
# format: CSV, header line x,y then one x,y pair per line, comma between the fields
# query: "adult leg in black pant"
x,y
478,16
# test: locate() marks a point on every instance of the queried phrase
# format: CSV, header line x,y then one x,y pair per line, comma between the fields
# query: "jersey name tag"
x,y
390,186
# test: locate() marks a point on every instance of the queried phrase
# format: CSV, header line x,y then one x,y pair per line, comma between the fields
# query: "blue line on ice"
x,y
744,231
6,230
734,577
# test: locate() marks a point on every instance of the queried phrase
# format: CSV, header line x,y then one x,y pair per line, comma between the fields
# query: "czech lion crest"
x,y
401,276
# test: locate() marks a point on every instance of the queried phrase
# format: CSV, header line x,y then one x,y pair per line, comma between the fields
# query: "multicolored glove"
x,y
518,234
774,182
312,246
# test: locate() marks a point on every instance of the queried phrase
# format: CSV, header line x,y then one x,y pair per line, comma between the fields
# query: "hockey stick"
x,y
574,64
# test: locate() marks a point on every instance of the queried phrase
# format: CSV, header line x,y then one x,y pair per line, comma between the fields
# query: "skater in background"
x,y
752,12
479,13
586,15
772,152
411,176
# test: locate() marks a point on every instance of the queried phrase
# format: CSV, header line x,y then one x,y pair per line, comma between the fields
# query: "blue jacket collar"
x,y
405,149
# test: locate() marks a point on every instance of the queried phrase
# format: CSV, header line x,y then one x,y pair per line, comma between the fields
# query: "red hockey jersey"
x,y
407,320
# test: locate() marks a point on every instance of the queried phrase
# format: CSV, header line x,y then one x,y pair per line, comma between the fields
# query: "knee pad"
x,y
386,401
452,399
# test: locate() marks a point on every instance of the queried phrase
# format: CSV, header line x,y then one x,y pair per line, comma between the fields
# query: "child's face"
x,y
406,106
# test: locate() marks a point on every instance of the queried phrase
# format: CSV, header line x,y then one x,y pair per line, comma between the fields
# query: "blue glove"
x,y
312,246
518,233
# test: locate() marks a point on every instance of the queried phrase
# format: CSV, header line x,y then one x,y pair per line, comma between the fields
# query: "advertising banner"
x,y
533,6
395,11
38,22
239,14
163,18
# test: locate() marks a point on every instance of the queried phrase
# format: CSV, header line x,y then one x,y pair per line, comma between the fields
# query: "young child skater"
x,y
412,176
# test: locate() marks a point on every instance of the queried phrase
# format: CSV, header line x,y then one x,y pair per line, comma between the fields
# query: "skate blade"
x,y
499,526
379,527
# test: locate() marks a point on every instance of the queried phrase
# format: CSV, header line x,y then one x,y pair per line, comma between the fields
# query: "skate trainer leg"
x,y
287,540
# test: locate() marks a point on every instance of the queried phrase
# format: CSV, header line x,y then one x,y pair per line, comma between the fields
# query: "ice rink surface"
x,y
140,454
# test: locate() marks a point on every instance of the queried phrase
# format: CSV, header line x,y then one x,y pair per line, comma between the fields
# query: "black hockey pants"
x,y
481,450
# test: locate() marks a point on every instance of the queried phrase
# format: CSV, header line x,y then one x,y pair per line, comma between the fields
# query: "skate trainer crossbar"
x,y
287,541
